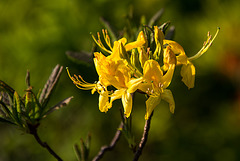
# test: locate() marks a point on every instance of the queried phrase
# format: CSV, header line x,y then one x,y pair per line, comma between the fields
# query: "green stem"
x,y
33,131
143,139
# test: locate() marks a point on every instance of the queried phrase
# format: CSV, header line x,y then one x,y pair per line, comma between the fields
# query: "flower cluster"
x,y
146,65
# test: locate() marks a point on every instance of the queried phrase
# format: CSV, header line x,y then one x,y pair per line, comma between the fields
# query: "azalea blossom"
x,y
139,66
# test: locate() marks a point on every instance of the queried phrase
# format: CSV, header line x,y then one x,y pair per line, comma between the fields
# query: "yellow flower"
x,y
100,88
155,84
114,51
116,73
133,66
125,94
188,69
159,37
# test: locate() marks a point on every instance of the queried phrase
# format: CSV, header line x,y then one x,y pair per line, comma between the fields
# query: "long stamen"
x,y
155,92
206,45
100,44
107,38
80,83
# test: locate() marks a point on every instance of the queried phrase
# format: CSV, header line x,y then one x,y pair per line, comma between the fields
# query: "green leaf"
x,y
77,152
82,153
6,109
156,17
36,107
49,86
6,121
28,101
80,57
17,103
16,108
109,28
164,26
61,104
28,79
7,88
170,33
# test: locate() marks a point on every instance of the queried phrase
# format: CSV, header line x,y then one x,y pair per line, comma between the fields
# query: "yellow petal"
x,y
103,101
177,50
143,57
115,52
167,78
168,97
133,84
151,103
127,103
188,74
152,71
158,35
117,95
141,41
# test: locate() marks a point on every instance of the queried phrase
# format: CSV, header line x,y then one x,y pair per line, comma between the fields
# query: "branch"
x,y
33,131
111,145
143,139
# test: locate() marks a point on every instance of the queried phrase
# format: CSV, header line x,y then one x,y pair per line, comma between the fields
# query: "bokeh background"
x,y
35,35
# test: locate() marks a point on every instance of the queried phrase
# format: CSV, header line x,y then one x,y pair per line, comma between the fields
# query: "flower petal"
x,y
168,97
178,51
151,103
152,71
133,84
167,78
188,74
127,103
103,101
116,95
141,40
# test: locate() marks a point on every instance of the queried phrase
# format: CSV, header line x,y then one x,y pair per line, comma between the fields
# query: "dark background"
x,y
35,35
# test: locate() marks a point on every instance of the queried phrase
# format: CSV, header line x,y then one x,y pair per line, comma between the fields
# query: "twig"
x,y
143,139
33,131
111,145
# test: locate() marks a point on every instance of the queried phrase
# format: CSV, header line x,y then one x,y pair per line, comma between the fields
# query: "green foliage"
x,y
36,34
27,111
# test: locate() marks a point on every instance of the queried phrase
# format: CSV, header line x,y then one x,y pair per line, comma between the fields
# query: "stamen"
x,y
107,38
80,83
100,44
206,45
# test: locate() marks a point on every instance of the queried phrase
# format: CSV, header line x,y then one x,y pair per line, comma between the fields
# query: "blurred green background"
x,y
36,34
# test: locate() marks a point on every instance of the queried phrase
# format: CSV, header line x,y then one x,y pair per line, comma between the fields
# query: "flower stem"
x,y
111,145
143,139
33,131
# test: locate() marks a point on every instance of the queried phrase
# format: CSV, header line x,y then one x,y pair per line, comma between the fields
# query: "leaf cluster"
x,y
28,110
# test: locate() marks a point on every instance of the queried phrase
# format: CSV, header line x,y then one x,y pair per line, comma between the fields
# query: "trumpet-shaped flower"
x,y
188,69
100,88
116,73
113,70
155,84
133,66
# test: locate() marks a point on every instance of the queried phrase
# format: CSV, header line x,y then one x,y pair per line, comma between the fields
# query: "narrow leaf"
x,y
6,121
170,34
5,109
77,152
17,102
61,104
7,88
109,28
28,79
49,86
156,17
80,57
16,108
4,97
